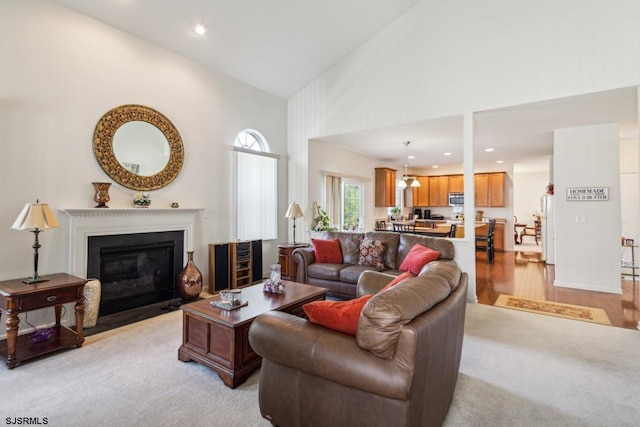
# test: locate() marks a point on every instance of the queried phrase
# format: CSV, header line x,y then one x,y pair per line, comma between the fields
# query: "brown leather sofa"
x,y
400,370
341,279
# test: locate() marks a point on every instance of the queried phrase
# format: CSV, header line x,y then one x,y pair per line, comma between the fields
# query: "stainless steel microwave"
x,y
456,199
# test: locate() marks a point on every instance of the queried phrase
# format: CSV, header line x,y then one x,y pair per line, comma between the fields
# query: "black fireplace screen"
x,y
135,269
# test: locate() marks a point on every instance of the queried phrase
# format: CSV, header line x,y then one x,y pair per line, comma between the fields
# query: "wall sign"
x,y
588,193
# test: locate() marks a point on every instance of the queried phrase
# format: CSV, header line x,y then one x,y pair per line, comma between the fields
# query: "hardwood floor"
x,y
522,274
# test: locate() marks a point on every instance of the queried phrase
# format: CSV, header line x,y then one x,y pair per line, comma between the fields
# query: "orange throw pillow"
x,y
340,316
417,258
399,279
327,251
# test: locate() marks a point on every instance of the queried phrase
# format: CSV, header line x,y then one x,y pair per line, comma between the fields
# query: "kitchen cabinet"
x,y
385,188
489,188
434,190
498,237
439,191
421,194
456,183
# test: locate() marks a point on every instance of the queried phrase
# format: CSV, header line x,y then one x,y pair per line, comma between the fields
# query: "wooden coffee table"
x,y
219,338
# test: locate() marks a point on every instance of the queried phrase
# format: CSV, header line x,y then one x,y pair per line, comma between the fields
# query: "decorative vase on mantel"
x,y
189,283
102,194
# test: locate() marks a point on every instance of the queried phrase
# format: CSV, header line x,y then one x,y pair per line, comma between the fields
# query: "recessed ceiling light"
x,y
435,166
200,29
411,157
447,153
499,161
488,150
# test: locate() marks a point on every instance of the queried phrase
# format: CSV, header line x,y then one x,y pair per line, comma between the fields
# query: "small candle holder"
x,y
273,287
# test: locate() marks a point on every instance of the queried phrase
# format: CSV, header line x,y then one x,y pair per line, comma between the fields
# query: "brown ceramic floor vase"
x,y
189,281
102,193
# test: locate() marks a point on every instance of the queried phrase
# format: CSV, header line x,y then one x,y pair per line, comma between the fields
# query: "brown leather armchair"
x,y
400,369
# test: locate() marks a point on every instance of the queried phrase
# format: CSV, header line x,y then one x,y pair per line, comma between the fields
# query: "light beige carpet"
x,y
568,311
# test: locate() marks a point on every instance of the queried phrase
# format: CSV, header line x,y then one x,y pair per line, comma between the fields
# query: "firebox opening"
x,y
135,269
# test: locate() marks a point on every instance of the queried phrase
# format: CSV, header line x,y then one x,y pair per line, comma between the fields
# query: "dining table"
x,y
424,228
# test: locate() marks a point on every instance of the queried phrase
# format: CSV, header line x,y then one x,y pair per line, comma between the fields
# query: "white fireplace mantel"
x,y
85,222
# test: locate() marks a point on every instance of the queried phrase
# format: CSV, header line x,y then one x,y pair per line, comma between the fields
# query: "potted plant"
x,y
396,212
322,221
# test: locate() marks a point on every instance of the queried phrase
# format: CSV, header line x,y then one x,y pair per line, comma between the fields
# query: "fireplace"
x,y
86,223
135,269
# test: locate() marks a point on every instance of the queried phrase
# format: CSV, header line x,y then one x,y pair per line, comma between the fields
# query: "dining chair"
x,y
404,228
452,232
535,231
486,242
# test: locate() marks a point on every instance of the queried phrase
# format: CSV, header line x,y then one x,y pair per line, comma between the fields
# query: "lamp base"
x,y
30,280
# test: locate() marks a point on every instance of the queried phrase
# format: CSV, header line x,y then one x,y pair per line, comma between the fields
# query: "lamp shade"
x,y
36,216
415,183
294,211
402,184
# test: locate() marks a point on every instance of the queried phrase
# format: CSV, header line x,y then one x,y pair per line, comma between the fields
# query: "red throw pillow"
x,y
399,279
417,257
327,251
340,316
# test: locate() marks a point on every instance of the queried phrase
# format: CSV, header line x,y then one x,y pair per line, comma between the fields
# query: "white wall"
x,y
61,71
587,232
528,188
449,58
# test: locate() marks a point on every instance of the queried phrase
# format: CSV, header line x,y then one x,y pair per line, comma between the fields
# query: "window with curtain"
x,y
344,201
257,186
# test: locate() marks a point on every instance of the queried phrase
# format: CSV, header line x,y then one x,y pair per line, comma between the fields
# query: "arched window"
x,y
257,187
252,140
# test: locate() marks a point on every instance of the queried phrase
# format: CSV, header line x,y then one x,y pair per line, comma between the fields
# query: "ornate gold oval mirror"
x,y
138,147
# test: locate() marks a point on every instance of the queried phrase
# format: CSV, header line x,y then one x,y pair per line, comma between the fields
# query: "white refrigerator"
x,y
548,229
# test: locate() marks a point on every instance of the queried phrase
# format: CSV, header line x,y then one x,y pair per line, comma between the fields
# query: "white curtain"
x,y
333,198
257,197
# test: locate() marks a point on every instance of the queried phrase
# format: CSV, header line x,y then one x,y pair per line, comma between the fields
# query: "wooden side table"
x,y
289,268
17,297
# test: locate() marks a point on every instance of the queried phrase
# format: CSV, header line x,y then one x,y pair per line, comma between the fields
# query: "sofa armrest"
x,y
304,257
294,342
370,282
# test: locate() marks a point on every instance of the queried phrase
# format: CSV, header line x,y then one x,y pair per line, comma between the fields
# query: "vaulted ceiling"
x,y
280,46
277,45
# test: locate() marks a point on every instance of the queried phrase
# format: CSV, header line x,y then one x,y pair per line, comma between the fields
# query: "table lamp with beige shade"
x,y
294,212
35,217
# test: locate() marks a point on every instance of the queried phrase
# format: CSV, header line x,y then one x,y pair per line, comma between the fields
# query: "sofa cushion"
x,y
327,251
447,269
391,241
407,240
351,273
325,271
349,244
341,316
417,258
387,312
372,253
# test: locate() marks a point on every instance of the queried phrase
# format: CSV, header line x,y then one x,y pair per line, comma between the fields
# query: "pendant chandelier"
x,y
403,182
